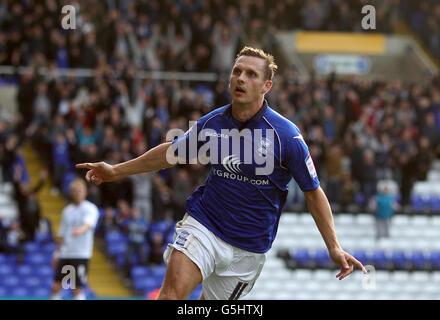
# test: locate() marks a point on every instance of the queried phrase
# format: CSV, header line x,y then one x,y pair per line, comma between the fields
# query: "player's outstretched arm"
x,y
152,160
320,209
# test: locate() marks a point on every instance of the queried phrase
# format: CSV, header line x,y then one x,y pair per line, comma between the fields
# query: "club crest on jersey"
x,y
263,147
311,166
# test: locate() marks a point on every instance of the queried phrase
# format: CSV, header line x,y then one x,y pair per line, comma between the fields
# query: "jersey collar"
x,y
255,118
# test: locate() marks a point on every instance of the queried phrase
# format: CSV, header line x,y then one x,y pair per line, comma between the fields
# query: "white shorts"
x,y
228,272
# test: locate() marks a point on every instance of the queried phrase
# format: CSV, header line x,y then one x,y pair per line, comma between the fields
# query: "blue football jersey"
x,y
251,165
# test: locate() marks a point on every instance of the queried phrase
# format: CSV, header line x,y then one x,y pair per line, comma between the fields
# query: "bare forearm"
x,y
321,212
152,160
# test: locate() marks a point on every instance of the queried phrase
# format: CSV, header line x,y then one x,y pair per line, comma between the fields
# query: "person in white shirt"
x,y
75,243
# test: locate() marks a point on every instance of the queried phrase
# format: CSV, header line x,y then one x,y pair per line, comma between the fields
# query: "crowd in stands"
x,y
358,131
424,19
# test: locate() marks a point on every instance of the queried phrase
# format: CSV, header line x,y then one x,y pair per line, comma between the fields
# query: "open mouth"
x,y
239,90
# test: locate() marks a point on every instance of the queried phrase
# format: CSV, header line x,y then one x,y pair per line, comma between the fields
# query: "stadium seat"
x,y
44,271
146,284
31,282
20,293
48,248
398,259
114,236
322,258
361,255
11,281
3,292
158,271
302,257
42,293
378,258
37,259
417,259
434,258
5,271
116,248
24,270
139,272
31,247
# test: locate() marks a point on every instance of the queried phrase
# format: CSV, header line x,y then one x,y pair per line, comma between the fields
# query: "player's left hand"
x,y
346,261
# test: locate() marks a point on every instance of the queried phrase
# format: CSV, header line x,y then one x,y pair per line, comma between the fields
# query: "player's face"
x,y
78,192
248,82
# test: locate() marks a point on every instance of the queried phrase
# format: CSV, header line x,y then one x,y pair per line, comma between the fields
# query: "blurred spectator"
x,y
136,227
14,238
333,163
385,206
142,187
156,242
182,189
28,205
369,179
108,223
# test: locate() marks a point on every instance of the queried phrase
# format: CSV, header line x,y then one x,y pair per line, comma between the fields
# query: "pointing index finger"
x,y
85,166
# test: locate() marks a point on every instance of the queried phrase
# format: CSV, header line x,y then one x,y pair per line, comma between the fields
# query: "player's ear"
x,y
267,86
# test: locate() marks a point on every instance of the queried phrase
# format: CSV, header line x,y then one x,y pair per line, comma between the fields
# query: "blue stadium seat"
x,y
116,248
140,272
321,257
46,282
43,293
158,271
434,203
146,284
44,271
11,281
43,238
31,247
114,236
434,258
378,258
31,282
302,256
38,259
48,248
361,255
163,227
398,258
3,292
419,202
20,292
195,295
5,270
417,258
24,270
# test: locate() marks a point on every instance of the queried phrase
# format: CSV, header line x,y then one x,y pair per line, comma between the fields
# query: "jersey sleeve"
x,y
300,164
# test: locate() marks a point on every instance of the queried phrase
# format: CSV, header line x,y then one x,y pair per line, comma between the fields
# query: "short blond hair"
x,y
270,68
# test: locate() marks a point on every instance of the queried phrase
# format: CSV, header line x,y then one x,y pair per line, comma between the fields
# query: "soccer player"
x,y
75,243
231,220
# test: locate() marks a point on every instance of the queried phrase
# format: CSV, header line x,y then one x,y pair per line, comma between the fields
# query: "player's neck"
x,y
243,112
